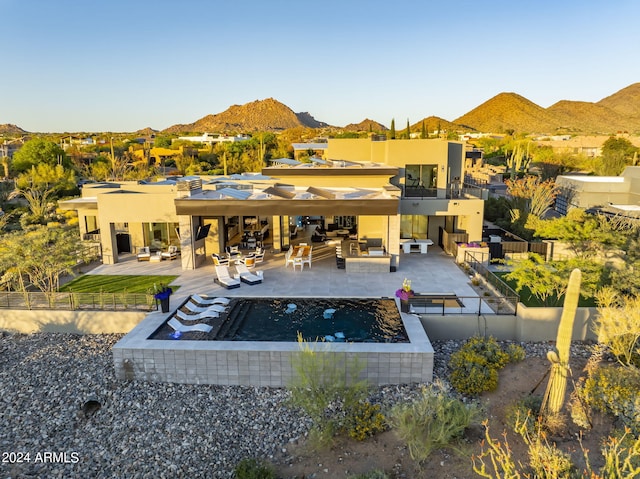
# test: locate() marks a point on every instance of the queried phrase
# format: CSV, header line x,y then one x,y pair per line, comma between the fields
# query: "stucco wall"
x,y
79,322
530,324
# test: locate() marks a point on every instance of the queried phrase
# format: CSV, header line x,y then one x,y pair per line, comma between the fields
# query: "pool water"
x,y
352,320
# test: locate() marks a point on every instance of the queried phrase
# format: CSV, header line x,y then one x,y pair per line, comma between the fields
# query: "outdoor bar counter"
x,y
371,259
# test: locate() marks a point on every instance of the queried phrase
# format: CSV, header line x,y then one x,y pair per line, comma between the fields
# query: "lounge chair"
x,y
183,328
171,253
219,261
144,253
224,279
246,276
212,308
202,301
196,317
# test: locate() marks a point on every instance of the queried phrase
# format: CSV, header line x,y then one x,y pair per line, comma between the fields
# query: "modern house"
x,y
377,192
612,194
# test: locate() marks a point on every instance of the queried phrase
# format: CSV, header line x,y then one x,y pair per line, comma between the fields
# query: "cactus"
x,y
554,396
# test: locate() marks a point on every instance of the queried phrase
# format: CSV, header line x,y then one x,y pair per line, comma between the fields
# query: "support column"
x,y
393,239
109,244
187,249
276,232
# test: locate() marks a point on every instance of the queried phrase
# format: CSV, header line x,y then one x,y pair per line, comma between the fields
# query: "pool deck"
x,y
267,363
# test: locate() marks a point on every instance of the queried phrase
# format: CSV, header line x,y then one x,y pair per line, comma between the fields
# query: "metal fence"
x,y
459,305
70,301
510,296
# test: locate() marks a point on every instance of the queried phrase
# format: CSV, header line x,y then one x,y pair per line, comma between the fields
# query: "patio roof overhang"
x,y
283,207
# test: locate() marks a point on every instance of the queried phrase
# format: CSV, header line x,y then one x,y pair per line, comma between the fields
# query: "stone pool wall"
x,y
262,363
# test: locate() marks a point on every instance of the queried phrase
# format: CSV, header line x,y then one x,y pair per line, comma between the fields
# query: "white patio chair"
x,y
196,317
144,253
183,328
171,253
212,308
246,276
202,301
224,279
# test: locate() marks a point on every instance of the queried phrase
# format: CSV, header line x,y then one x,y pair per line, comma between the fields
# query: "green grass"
x,y
531,301
94,283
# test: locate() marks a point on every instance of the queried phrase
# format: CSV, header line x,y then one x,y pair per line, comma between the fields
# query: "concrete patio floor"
x,y
435,272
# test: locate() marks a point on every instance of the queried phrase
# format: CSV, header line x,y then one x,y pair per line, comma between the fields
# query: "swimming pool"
x,y
355,320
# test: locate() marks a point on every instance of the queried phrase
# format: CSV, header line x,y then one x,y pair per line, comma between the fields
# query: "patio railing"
x,y
500,287
78,301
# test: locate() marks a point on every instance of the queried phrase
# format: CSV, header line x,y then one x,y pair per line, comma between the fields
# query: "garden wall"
x,y
77,322
530,324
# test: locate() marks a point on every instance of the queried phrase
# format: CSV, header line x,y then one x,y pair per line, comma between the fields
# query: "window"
x,y
421,180
414,226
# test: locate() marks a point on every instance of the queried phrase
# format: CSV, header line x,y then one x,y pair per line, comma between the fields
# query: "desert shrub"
x,y
328,388
432,421
524,412
375,474
549,462
618,326
365,420
474,368
516,353
614,390
250,468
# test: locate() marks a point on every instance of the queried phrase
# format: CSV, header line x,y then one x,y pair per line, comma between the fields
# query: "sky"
x,y
124,65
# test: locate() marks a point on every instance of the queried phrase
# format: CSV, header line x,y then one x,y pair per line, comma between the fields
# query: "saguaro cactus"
x,y
554,396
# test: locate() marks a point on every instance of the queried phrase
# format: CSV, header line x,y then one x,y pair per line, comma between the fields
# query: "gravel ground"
x,y
51,386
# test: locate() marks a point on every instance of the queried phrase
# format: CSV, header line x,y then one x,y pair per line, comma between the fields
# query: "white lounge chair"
x,y
196,317
202,301
171,253
246,276
224,279
193,308
144,253
183,328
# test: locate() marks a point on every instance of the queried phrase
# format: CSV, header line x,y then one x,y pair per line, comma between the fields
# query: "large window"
x,y
414,226
161,235
421,180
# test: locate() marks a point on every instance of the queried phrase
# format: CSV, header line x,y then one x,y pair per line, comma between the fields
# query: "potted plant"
x,y
162,294
404,293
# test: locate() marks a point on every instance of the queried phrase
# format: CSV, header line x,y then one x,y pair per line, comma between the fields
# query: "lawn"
x,y
532,301
95,283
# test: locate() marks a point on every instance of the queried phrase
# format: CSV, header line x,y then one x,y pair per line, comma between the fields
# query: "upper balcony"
x,y
452,192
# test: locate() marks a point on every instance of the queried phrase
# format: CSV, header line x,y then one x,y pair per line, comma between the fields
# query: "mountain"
x,y
626,102
509,111
365,125
12,130
587,117
259,115
435,123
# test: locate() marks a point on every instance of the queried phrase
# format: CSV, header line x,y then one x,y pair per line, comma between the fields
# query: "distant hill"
x,y
434,123
259,115
626,102
12,130
365,125
507,111
587,117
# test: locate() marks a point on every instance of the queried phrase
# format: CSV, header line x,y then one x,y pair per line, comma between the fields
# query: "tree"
x,y
36,152
529,199
617,153
586,235
423,131
392,130
40,185
38,257
408,130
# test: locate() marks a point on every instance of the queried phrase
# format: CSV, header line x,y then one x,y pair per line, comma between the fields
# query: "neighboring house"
x,y
589,146
308,149
209,139
379,191
616,194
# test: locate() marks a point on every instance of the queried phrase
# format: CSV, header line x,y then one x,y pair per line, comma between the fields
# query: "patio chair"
x,y
171,253
144,253
288,257
196,317
213,308
219,261
298,260
248,261
203,301
224,279
307,258
183,328
246,276
259,256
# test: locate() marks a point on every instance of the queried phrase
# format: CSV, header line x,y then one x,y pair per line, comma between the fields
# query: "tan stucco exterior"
x,y
365,179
